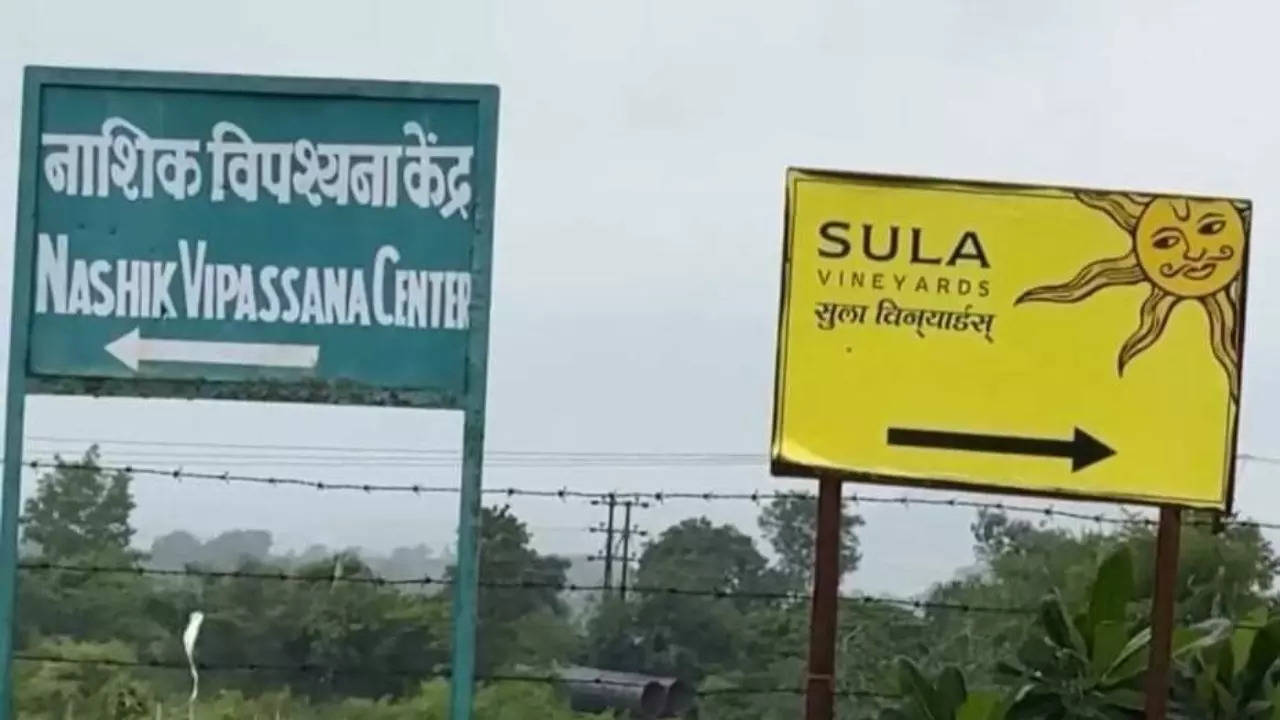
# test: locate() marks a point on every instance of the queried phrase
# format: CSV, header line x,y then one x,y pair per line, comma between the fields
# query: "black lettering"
x,y
916,257
877,281
839,243
944,286
969,240
922,285
858,279
824,276
964,286
866,243
984,289
899,280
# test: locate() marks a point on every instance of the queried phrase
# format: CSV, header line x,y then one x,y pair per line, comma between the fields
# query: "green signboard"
x,y
232,237
253,238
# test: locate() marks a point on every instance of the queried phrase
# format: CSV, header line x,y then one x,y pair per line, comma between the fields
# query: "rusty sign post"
x,y
1166,582
820,689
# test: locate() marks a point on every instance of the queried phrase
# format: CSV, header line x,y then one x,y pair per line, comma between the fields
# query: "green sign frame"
x,y
340,342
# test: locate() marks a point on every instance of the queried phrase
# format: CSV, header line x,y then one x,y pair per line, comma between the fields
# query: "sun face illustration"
x,y
1185,249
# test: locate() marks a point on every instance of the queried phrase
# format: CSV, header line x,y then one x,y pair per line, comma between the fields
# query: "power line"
x,y
1251,457
409,451
589,529
232,460
455,456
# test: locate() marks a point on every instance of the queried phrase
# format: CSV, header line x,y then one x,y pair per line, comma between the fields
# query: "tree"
x,y
361,638
695,554
692,635
231,548
1019,563
81,510
79,515
614,639
175,550
1090,664
224,552
521,584
57,690
946,697
1222,570
790,523
1232,679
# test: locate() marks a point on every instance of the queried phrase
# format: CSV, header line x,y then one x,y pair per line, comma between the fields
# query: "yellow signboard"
x,y
1044,340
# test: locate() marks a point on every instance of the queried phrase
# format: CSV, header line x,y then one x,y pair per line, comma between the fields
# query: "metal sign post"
x,y
820,690
254,238
466,584
1162,601
15,409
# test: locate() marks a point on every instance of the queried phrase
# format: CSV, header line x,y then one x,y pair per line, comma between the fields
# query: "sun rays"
x,y
1185,249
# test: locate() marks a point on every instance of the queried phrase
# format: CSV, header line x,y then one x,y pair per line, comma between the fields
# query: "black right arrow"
x,y
1083,449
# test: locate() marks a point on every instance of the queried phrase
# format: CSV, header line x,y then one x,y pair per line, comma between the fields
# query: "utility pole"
x,y
626,547
608,544
612,555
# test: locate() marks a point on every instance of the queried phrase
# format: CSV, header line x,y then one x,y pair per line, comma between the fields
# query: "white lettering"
x,y
385,254
464,301
51,273
79,167
206,300
418,292
402,298
161,301
426,183
228,288
192,276
173,162
248,165
142,270
358,302
436,280
292,310
335,296
392,296
312,302
451,301
123,158
246,301
271,312
128,290
78,299
106,302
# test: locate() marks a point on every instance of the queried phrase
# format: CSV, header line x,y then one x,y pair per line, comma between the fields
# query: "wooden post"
x,y
1162,611
820,690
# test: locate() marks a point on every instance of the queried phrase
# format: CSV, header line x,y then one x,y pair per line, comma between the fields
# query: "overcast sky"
x,y
641,160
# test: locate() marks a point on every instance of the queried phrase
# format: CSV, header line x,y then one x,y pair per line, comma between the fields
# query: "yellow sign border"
x,y
780,466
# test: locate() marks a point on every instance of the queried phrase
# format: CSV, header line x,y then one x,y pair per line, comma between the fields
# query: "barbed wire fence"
x,y
180,473
286,455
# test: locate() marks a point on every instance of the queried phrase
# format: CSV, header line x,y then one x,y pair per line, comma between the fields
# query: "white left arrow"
x,y
131,349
